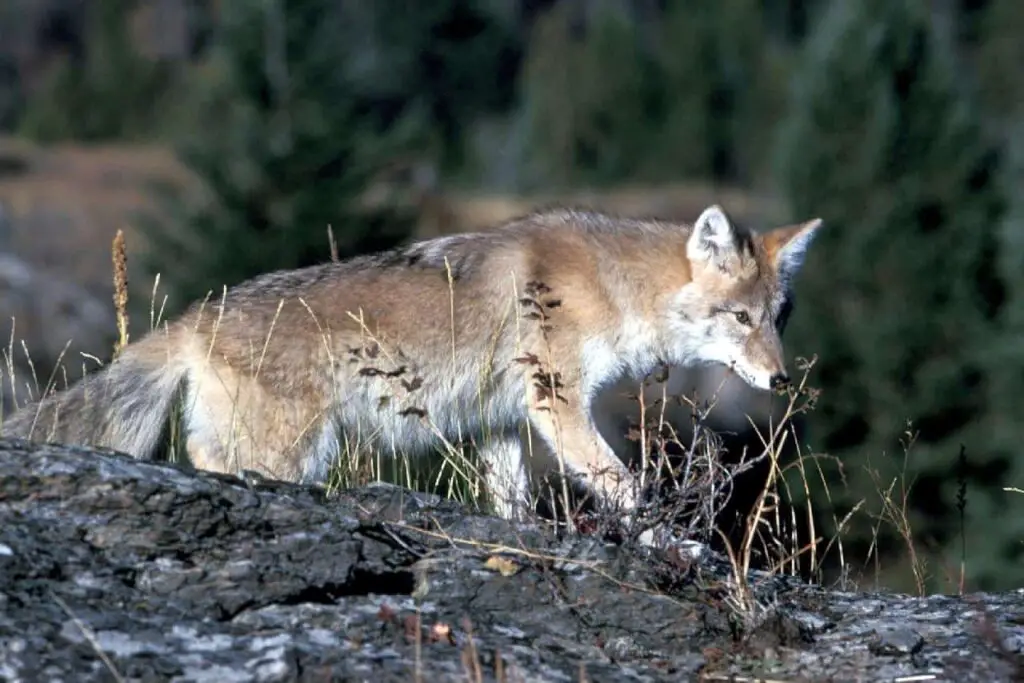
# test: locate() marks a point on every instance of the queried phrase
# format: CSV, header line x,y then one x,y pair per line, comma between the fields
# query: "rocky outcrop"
x,y
113,569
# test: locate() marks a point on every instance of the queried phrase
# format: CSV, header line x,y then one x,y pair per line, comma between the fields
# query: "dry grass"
x,y
61,206
443,212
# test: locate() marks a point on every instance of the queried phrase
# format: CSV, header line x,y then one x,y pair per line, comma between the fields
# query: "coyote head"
x,y
736,305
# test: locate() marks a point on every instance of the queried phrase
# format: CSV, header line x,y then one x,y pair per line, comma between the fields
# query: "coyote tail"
x,y
123,406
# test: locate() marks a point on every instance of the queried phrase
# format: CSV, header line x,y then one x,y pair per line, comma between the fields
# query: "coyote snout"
x,y
760,360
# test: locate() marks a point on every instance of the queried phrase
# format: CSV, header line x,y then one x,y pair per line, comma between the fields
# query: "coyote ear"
x,y
713,236
787,247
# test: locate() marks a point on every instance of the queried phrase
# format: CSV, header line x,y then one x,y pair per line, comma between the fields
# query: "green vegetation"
x,y
284,145
114,93
903,297
693,94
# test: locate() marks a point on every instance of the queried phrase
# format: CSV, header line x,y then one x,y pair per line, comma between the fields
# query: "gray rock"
x,y
114,569
48,324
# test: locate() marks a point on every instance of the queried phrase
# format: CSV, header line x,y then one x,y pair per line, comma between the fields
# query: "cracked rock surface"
x,y
114,569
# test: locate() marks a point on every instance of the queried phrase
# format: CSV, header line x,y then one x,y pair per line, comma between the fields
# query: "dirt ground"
x,y
66,203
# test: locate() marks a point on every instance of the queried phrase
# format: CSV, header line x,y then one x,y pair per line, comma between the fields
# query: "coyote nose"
x,y
779,380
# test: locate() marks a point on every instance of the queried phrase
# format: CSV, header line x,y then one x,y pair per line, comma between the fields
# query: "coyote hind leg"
x,y
505,476
232,423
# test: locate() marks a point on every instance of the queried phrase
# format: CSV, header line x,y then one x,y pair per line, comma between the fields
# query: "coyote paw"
x,y
662,537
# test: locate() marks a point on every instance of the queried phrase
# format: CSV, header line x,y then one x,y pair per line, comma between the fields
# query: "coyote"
x,y
467,338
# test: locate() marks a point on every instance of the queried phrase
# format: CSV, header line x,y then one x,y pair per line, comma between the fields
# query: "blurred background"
x,y
224,137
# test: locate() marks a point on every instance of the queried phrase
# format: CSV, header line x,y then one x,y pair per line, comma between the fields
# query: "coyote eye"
x,y
742,317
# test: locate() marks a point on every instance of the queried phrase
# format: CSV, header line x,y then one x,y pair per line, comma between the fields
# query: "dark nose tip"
x,y
779,380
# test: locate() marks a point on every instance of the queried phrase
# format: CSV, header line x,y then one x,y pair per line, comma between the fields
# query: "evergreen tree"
x,y
688,93
721,79
454,60
284,145
901,298
587,96
999,57
113,93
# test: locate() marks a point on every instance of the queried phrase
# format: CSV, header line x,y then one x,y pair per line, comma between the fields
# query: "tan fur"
x,y
453,336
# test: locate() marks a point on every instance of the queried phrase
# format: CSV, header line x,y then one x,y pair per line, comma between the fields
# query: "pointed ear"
x,y
787,247
713,238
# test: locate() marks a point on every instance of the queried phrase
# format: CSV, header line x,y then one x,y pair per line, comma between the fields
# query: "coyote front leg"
x,y
562,417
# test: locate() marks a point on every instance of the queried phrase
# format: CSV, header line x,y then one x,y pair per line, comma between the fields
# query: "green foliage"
x,y
586,98
791,19
10,93
723,85
1000,56
113,93
284,145
901,296
455,60
690,94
